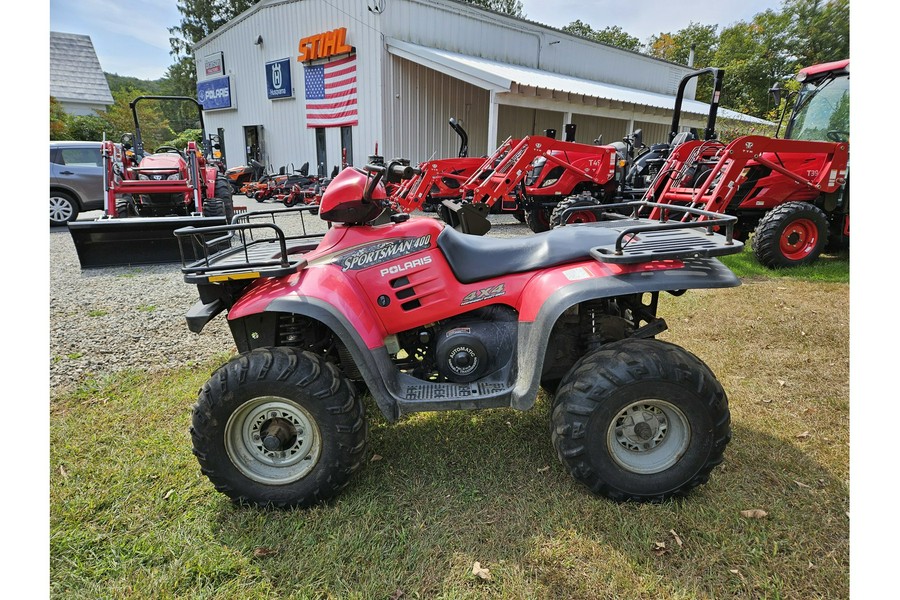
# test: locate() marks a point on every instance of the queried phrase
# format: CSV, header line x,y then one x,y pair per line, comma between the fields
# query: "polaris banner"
x,y
278,79
214,94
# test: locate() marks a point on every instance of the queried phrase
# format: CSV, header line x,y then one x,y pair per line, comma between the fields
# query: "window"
x,y
80,157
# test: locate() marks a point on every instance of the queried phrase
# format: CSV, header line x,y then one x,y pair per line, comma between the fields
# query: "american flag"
x,y
331,93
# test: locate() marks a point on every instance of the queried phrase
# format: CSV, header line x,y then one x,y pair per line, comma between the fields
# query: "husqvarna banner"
x,y
215,94
278,79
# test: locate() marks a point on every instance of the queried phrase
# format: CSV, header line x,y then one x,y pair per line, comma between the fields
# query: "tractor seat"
x,y
474,258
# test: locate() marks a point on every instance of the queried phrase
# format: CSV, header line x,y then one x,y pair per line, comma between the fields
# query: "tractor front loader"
x,y
151,194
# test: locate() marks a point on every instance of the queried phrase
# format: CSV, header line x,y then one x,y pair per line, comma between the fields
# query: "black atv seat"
x,y
474,258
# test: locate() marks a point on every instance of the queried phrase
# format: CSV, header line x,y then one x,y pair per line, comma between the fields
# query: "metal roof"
x,y
500,77
75,73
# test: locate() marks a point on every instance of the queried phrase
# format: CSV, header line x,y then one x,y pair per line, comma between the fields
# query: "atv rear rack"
x,y
660,238
251,249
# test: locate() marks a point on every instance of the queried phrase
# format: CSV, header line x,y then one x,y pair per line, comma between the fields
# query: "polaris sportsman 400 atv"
x,y
426,318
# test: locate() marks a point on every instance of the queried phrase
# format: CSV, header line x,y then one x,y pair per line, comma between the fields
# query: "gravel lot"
x,y
103,320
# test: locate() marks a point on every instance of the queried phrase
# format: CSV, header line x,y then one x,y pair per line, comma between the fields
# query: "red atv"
x,y
426,318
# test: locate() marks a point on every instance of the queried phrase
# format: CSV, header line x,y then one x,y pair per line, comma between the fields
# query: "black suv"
x,y
76,180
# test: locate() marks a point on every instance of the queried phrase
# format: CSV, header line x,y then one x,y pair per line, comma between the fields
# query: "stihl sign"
x,y
323,45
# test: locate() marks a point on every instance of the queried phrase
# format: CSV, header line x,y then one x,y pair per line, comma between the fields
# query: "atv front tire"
x,y
790,235
278,427
640,420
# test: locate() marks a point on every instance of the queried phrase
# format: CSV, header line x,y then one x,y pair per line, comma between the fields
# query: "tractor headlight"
x,y
174,177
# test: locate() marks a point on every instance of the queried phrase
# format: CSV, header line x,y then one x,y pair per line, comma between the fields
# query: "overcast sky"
x,y
132,38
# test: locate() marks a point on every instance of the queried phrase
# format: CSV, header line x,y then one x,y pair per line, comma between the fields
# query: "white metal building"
x,y
417,63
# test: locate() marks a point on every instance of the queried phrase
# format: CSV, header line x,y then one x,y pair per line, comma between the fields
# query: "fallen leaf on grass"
x,y
375,458
543,469
782,382
659,548
803,436
397,595
754,513
262,552
480,572
677,539
168,494
62,472
735,571
801,484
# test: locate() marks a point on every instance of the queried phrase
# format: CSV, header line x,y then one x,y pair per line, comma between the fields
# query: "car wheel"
x,y
63,209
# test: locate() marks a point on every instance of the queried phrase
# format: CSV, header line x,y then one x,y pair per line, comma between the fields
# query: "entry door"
x,y
252,143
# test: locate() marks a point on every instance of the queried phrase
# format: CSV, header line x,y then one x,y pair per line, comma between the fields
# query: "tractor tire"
x,y
538,219
224,193
519,215
790,235
578,216
63,209
278,427
125,207
640,420
213,208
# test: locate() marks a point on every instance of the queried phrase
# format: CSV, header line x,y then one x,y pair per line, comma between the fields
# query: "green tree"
x,y
677,47
819,30
59,121
509,7
755,56
155,129
199,18
611,35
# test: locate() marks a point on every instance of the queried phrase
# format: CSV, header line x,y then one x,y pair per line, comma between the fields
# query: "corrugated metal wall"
x,y
285,136
422,101
403,106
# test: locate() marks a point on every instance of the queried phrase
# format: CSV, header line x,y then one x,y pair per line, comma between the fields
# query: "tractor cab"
x,y
822,110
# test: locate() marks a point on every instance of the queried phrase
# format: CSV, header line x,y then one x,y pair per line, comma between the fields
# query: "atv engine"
x,y
463,349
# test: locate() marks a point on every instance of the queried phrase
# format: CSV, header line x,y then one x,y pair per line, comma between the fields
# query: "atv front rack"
x,y
642,239
251,247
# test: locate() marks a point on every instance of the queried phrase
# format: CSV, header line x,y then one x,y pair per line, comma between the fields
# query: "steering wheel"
x,y
838,136
168,149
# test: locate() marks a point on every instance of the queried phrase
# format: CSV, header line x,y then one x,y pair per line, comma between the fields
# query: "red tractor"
x,y
158,191
792,191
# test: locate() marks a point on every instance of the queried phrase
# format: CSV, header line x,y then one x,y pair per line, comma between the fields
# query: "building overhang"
x,y
509,81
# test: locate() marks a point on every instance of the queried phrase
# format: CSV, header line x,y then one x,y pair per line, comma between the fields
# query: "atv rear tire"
x,y
640,420
538,219
790,235
278,427
577,216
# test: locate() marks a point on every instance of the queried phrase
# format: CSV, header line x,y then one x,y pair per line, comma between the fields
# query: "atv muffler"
x,y
132,241
470,217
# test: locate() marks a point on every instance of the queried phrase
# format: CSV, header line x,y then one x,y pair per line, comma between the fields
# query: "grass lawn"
x,y
132,517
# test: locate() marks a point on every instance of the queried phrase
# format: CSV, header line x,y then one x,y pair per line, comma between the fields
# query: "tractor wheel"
x,y
224,193
125,207
63,209
790,235
519,215
640,420
585,215
538,219
278,427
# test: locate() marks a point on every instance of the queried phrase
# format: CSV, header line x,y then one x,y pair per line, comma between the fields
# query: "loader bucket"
x,y
132,241
468,218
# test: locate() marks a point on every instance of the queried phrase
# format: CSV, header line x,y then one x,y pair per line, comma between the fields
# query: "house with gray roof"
x,y
76,78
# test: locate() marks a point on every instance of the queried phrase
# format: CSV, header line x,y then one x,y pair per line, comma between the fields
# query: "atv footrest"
x,y
420,396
